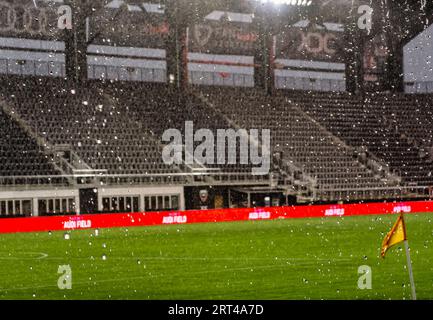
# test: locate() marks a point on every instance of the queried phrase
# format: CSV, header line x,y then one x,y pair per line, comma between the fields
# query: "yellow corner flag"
x,y
396,235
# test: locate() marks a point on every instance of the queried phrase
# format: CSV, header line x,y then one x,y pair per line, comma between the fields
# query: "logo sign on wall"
x,y
308,57
204,195
223,38
221,49
21,18
128,42
139,26
315,43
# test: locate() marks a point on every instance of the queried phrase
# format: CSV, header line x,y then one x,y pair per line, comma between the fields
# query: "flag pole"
x,y
409,267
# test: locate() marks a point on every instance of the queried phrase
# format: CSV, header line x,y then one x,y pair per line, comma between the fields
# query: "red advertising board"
x,y
10,225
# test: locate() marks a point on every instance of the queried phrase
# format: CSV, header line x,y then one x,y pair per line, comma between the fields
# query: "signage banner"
x,y
34,224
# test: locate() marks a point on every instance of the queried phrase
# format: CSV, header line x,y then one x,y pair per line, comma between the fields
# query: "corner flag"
x,y
395,236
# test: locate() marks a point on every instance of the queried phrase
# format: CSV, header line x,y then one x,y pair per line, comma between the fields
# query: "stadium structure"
x,y
83,110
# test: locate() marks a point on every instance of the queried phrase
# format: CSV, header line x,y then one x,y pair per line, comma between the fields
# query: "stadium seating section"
x,y
395,128
19,153
106,134
117,128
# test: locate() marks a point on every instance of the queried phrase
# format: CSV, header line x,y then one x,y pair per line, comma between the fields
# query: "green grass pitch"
x,y
281,259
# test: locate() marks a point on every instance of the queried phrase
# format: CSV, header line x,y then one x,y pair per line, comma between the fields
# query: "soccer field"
x,y
281,259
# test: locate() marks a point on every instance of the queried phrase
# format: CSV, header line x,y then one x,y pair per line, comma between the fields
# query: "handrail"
x,y
175,177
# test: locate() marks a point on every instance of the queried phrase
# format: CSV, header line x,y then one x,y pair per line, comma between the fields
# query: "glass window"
x,y
167,202
175,202
128,207
18,207
42,204
57,207
106,204
146,203
64,205
122,204
50,205
27,207
10,207
3,207
71,204
114,204
153,205
135,204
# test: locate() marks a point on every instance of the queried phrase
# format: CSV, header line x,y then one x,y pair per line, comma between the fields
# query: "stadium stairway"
x,y
24,159
64,160
158,108
289,176
392,128
339,172
102,134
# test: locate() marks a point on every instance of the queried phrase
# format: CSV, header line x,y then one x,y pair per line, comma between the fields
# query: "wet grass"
x,y
282,259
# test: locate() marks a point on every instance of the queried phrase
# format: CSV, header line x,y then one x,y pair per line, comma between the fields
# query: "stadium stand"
x,y
333,164
168,109
327,136
395,129
105,135
117,130
19,154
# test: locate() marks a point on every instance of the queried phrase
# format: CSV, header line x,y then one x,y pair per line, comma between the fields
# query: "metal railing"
x,y
202,178
128,179
400,192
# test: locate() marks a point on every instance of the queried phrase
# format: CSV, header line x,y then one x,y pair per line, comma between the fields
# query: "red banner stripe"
x,y
33,224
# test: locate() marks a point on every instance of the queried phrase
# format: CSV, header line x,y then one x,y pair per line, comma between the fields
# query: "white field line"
x,y
40,255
